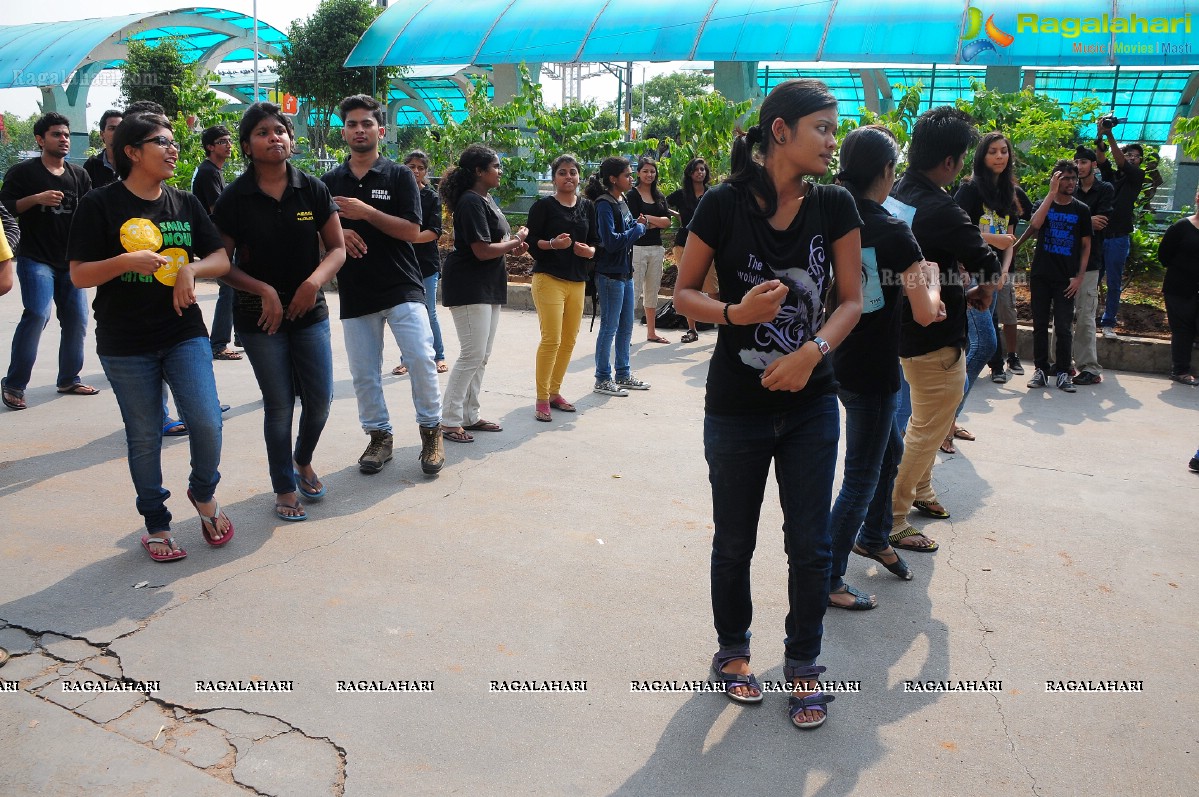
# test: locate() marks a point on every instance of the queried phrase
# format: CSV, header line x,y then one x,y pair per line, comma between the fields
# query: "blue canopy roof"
x,y
1031,33
48,53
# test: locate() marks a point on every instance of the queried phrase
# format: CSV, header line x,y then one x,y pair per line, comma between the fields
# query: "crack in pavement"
x,y
173,726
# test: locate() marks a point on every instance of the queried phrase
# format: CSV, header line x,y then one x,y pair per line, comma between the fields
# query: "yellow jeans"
x,y
559,306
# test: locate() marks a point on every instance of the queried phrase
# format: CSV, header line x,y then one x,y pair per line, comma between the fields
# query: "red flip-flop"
x,y
176,552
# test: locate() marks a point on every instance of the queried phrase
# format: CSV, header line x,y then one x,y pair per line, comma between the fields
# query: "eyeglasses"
x,y
228,142
162,141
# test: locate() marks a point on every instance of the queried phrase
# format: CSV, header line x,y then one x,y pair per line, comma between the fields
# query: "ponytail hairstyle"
x,y
998,191
790,101
689,171
642,162
459,179
600,182
865,154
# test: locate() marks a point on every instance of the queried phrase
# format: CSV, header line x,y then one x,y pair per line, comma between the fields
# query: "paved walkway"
x,y
577,551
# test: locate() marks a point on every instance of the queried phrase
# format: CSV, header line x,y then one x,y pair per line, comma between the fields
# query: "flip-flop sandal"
x,y
946,446
173,428
1182,379
211,520
732,680
562,404
817,701
280,505
542,415
309,489
457,436
657,339
963,434
13,399
898,567
690,336
861,601
442,367
3,657
399,370
79,389
227,354
931,509
897,538
483,426
176,551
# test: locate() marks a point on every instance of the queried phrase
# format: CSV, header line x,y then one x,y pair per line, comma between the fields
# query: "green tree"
x,y
1186,136
18,138
153,73
198,107
313,58
663,97
707,124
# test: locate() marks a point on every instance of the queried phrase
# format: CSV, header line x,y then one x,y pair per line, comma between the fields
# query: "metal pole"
x,y
628,101
1115,85
256,98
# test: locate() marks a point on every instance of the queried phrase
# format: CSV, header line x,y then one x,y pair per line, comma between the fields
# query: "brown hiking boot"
x,y
432,451
377,452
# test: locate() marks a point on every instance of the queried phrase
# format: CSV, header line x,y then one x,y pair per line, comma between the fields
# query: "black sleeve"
x,y
407,195
969,200
430,212
710,220
470,220
14,188
12,230
1085,228
843,214
87,240
83,180
633,200
205,237
1169,244
963,238
593,238
225,215
1107,200
675,200
1025,211
1109,173
322,204
207,188
536,225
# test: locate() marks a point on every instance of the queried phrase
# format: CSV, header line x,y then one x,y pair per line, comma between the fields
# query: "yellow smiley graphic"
x,y
140,234
176,259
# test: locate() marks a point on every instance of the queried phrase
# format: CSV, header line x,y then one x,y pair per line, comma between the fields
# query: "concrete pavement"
x,y
577,551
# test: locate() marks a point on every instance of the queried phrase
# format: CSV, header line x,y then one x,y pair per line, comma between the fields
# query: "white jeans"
x,y
476,325
647,274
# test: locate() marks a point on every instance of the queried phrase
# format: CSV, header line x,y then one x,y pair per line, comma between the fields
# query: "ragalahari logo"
x,y
974,26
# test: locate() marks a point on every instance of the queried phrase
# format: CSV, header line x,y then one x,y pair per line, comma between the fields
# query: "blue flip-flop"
x,y
308,489
173,428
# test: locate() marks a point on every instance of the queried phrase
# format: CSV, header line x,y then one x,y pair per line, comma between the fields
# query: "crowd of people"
x,y
880,296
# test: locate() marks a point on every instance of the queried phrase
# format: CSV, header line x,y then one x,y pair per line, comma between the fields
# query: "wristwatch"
x,y
822,344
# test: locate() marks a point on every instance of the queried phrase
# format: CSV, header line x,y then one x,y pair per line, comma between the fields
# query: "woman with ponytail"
x,y
617,230
474,283
867,362
777,240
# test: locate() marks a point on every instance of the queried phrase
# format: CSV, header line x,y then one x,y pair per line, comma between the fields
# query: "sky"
x,y
277,13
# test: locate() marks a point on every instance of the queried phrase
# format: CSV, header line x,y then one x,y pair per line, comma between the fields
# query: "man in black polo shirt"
x,y
102,167
933,356
208,181
43,193
1097,195
1127,178
381,284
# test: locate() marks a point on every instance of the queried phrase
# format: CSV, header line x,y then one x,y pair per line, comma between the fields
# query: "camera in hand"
x,y
1109,121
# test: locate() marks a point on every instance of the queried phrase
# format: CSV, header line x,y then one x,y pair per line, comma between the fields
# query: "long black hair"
x,y
597,184
998,191
132,130
865,154
461,178
689,172
790,101
642,162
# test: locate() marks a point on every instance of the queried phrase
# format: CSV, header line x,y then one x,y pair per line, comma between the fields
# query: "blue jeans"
x,y
291,362
1115,255
980,324
876,530
137,383
41,285
221,331
409,322
802,443
903,405
431,303
616,324
869,426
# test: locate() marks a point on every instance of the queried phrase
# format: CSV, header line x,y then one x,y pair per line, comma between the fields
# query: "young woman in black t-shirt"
x,y
475,283
696,178
562,229
277,219
646,200
777,240
428,254
142,244
867,362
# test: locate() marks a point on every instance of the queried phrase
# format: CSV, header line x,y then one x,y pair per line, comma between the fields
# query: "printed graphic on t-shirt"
x,y
990,221
70,201
138,235
797,319
1059,232
872,287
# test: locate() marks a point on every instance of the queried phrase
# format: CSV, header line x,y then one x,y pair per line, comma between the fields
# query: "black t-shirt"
x,y
867,361
1127,181
44,230
1059,242
638,206
135,313
465,278
388,273
549,218
1099,201
685,203
428,254
1179,253
207,184
748,251
277,241
947,237
100,170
